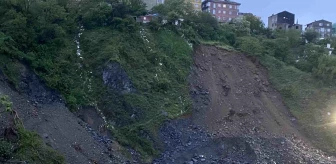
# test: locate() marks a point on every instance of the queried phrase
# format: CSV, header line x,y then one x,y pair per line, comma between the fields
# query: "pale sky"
x,y
306,11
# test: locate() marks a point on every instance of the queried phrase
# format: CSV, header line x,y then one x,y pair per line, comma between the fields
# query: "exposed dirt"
x,y
239,117
43,111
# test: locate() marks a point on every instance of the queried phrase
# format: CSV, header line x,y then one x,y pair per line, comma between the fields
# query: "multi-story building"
x,y
323,27
334,30
283,21
223,10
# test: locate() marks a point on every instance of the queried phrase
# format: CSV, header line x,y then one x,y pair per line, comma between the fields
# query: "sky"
x,y
306,11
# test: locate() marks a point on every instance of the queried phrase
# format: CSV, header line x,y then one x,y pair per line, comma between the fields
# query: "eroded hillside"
x,y
238,117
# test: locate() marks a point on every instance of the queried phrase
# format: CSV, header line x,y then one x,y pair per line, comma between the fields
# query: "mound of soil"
x,y
239,117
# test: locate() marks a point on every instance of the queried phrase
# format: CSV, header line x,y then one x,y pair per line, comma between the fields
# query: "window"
x,y
213,11
322,29
230,19
219,5
237,13
320,24
224,12
196,5
145,18
328,30
230,12
328,24
214,5
219,11
297,27
224,5
230,6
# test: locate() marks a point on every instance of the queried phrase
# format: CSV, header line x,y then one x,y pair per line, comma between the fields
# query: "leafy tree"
x,y
308,59
281,50
256,25
310,35
250,45
326,68
241,26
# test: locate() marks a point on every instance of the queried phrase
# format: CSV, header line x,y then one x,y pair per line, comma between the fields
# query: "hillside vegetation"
x,y
157,58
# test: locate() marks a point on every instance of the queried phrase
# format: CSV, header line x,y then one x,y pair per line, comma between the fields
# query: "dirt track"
x,y
239,117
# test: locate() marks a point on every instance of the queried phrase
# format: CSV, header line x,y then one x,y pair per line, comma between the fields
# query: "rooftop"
x,y
318,21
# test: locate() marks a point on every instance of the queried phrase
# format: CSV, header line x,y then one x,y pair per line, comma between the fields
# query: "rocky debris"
x,y
115,77
180,136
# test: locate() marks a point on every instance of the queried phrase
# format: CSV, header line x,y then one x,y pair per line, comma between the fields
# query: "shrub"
x,y
250,45
6,150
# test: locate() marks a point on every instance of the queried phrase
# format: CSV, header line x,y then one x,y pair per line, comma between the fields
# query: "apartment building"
x,y
323,27
223,10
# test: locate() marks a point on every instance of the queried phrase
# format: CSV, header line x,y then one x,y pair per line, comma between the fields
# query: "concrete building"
x,y
283,21
223,10
323,27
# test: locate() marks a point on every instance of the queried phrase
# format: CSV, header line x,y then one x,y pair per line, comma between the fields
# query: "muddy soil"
x,y
239,117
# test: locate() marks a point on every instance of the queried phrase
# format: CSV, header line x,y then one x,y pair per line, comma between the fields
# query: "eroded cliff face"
x,y
116,79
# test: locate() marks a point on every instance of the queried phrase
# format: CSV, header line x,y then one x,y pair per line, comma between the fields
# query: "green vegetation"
x,y
29,147
156,57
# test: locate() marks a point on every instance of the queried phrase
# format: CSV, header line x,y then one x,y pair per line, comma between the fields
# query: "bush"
x,y
250,45
6,150
326,69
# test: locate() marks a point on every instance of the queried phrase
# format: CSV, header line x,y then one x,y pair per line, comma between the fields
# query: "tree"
x,y
241,26
326,68
308,59
311,35
256,25
250,45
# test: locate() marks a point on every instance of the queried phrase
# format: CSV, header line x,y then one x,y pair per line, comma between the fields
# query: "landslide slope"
x,y
43,111
238,117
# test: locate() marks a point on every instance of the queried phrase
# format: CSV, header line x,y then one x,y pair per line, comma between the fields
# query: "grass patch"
x,y
219,45
308,99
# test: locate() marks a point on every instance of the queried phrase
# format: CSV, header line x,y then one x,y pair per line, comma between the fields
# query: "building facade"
x,y
223,10
323,27
283,21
